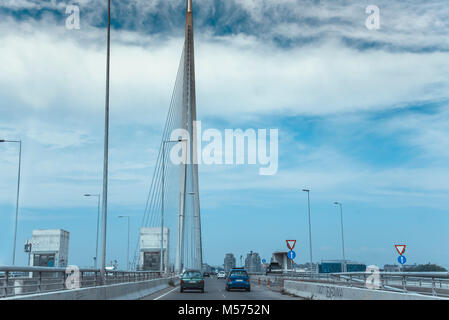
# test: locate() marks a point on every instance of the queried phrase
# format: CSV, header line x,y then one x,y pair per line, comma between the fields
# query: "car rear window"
x,y
239,273
192,274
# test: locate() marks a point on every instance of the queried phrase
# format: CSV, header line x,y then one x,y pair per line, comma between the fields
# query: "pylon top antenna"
x,y
189,5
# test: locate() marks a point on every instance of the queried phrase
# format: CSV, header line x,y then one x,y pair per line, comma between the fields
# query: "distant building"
x,y
49,248
300,267
217,269
206,268
392,268
150,249
408,267
283,260
229,262
314,267
333,266
253,262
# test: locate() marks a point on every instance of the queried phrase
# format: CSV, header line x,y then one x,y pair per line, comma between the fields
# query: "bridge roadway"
x,y
214,289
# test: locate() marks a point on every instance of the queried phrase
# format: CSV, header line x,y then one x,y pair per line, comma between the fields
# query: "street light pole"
x,y
17,198
106,152
342,235
162,207
127,251
98,226
310,228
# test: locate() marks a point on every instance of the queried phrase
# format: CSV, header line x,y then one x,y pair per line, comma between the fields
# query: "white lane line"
x,y
166,293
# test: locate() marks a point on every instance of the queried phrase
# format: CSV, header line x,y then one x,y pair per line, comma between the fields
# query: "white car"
x,y
221,275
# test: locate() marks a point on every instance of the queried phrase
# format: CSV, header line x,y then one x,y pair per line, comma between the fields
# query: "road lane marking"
x,y
166,293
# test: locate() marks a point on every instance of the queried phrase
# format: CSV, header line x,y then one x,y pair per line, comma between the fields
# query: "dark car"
x,y
206,274
192,279
238,279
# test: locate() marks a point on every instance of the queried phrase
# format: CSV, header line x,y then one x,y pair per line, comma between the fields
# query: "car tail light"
x,y
229,280
202,281
182,281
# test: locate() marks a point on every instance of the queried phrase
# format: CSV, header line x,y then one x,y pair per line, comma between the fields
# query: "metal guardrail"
x,y
28,280
427,283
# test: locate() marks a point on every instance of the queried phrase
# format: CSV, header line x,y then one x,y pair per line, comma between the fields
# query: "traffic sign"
x,y
291,255
291,244
400,248
28,247
263,261
401,259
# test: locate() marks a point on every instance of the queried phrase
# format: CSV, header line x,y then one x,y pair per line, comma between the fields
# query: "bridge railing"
x,y
429,283
27,280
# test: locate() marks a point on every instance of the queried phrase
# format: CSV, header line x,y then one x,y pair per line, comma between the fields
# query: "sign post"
x,y
291,244
291,254
28,247
400,248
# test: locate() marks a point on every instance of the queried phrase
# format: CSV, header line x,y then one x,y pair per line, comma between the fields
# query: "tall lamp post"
x,y
127,251
310,229
98,226
17,197
342,235
106,152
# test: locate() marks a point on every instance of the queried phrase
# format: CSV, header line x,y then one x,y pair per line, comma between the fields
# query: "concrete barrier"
x,y
269,280
322,291
121,291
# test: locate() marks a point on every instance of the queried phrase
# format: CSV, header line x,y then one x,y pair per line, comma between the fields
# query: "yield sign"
x,y
400,248
291,244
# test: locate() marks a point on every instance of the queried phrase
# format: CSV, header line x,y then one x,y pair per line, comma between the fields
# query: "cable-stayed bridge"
x,y
173,203
173,198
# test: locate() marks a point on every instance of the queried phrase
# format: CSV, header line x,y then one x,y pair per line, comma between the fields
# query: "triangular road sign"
x,y
400,248
291,244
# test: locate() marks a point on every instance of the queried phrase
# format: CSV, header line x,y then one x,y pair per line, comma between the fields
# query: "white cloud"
x,y
52,87
320,80
429,132
235,75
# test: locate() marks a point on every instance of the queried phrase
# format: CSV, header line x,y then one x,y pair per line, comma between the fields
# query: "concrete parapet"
x,y
323,291
121,291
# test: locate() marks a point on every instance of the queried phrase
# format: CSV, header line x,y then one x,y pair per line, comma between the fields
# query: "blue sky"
x,y
363,118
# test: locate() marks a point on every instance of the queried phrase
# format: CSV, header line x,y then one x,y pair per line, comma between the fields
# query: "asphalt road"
x,y
214,289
